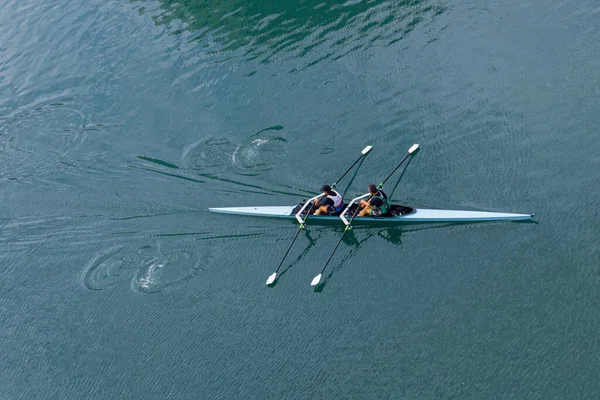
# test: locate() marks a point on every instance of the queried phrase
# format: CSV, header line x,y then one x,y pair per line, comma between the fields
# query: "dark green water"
x,y
122,122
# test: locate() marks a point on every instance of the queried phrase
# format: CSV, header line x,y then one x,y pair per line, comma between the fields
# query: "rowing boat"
x,y
398,214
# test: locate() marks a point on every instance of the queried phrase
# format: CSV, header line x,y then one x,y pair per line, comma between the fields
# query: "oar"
x,y
272,277
362,154
317,278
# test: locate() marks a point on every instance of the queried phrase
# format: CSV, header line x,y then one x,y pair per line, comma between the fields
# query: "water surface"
x,y
122,122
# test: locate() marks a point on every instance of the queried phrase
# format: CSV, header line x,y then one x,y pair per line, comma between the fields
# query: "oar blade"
x,y
413,148
316,280
366,150
271,278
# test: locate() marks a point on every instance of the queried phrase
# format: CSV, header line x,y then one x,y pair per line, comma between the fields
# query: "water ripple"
x,y
149,268
260,152
166,271
115,264
210,155
44,138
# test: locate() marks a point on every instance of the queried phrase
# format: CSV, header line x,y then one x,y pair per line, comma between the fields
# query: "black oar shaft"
x,y
333,252
311,206
294,240
334,184
358,208
395,169
346,173
288,250
340,241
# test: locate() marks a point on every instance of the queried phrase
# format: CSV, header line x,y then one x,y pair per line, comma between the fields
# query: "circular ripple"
x,y
211,155
166,271
35,140
111,266
259,153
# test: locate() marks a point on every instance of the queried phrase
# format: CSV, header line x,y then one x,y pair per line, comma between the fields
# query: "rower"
x,y
377,206
331,203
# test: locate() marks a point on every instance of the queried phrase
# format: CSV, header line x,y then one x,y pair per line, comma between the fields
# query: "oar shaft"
x,y
340,241
346,173
288,250
395,169
364,152
294,240
318,277
333,252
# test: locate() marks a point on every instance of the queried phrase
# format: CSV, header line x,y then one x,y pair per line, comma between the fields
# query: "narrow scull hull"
x,y
415,215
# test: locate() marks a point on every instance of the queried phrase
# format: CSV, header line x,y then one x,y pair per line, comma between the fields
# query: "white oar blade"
x,y
413,148
271,278
315,280
366,150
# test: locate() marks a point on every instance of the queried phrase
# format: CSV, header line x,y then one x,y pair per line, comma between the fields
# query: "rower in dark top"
x,y
377,206
331,203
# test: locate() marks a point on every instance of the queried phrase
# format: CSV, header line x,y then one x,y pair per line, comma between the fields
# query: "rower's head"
x,y
326,189
372,189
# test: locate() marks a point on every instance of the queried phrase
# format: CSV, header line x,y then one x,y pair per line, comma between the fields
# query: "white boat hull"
x,y
417,215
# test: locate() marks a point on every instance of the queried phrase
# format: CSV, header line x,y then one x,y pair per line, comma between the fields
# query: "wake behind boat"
x,y
398,214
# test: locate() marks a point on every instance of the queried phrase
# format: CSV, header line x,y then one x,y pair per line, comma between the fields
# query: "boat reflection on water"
x,y
356,244
355,239
391,234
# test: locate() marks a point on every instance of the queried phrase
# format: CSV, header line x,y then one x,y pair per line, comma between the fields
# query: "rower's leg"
x,y
365,211
321,210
